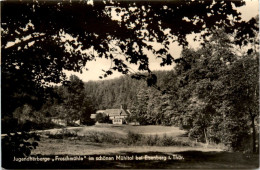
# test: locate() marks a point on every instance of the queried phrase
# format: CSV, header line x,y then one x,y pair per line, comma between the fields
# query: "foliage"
x,y
152,140
147,105
223,87
155,140
133,138
63,134
73,99
76,19
102,118
212,92
35,51
70,103
101,137
19,144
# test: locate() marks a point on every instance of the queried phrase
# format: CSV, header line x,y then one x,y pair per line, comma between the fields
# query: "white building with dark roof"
x,y
118,116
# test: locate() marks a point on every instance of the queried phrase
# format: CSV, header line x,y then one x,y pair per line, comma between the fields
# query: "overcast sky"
x,y
248,11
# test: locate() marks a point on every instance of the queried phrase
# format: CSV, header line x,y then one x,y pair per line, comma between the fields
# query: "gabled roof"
x,y
113,112
100,111
124,112
116,112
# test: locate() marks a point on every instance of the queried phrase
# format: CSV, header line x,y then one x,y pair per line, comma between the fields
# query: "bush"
x,y
99,137
94,137
152,140
19,144
164,141
89,122
65,133
167,141
102,118
131,138
134,138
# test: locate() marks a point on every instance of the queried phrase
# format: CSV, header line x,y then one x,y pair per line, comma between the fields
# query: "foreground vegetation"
x,y
95,142
131,138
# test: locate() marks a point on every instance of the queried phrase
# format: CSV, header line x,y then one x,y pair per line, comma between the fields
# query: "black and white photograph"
x,y
129,84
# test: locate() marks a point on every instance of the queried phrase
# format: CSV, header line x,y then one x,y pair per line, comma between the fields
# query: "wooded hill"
x,y
121,91
212,91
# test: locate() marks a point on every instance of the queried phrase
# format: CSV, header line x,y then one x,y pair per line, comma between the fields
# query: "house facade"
x,y
118,116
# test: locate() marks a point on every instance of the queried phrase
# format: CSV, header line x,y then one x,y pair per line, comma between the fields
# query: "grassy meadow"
x,y
107,139
111,140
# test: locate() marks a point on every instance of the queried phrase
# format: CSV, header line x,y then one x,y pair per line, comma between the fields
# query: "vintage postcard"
x,y
137,84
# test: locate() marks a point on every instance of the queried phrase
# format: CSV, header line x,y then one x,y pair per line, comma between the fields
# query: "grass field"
x,y
124,129
110,140
83,143
79,147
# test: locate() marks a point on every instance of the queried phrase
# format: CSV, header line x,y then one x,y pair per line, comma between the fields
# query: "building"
x,y
59,121
118,116
64,122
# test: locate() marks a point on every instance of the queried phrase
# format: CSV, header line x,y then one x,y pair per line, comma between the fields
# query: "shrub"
x,y
19,144
102,118
55,136
100,137
152,140
167,141
94,137
131,138
65,133
134,138
88,122
108,138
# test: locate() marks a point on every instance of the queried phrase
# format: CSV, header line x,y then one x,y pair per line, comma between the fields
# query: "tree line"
x,y
212,91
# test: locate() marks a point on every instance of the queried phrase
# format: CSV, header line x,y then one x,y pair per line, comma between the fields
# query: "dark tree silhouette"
x,y
35,50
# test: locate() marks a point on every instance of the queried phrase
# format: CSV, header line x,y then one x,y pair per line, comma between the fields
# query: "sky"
x,y
248,11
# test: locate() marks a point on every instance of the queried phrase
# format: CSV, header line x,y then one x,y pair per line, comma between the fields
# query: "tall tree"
x,y
222,88
34,33
73,98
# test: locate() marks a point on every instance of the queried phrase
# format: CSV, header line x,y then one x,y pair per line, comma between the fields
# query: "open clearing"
x,y
71,146
124,129
194,157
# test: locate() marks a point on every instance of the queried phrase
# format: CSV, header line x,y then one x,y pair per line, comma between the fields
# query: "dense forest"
x,y
120,91
213,92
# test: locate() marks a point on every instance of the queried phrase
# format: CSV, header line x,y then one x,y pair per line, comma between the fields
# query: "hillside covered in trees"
x,y
213,92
